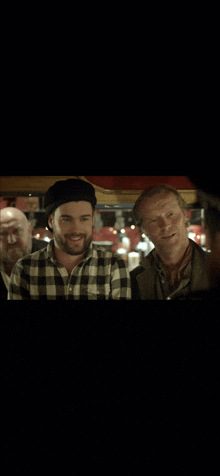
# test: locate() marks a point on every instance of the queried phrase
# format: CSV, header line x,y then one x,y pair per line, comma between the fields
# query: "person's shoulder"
x,y
32,258
199,249
200,256
37,254
144,264
136,271
38,244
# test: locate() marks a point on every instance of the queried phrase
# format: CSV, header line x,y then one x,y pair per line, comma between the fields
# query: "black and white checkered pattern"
x,y
101,275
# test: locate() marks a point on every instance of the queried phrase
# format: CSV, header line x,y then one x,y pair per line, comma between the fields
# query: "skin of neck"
x,y
67,260
173,257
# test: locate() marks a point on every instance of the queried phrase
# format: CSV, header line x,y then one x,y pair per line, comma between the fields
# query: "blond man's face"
x,y
164,222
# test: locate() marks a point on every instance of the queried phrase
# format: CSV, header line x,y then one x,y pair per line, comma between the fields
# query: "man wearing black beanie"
x,y
71,267
63,201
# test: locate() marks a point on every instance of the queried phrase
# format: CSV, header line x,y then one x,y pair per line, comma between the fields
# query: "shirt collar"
x,y
49,251
186,258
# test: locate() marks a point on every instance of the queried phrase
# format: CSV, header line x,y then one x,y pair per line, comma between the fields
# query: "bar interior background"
x,y
114,225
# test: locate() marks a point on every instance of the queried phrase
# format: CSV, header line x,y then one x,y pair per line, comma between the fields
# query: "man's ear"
x,y
50,221
186,218
29,229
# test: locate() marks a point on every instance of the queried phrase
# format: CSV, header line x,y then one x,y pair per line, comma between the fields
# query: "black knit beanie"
x,y
64,191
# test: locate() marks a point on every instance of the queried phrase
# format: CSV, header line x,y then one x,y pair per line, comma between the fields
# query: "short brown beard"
x,y
64,247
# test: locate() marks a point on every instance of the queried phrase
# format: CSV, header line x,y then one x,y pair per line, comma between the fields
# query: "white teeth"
x,y
76,239
169,236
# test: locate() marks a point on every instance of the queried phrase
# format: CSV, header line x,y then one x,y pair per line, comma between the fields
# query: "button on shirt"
x,y
100,275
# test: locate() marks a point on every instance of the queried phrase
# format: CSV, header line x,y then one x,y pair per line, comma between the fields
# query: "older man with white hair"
x,y
176,266
15,243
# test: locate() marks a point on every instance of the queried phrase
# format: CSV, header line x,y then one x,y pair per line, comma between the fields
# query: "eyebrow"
x,y
6,226
70,216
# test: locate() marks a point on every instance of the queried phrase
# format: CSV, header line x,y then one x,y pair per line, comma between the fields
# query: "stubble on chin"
x,y
63,245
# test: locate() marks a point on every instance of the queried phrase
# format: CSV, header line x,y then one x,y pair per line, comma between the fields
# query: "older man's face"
x,y
164,222
15,239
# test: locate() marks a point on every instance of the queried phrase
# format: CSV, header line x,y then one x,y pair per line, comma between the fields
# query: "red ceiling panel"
x,y
136,182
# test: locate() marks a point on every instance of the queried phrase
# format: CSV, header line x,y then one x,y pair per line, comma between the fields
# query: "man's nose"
x,y
75,230
164,223
11,239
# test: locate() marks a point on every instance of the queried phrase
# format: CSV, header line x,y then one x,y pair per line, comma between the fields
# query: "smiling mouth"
x,y
76,239
168,237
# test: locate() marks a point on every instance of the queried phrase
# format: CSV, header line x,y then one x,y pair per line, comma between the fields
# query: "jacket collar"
x,y
199,279
146,279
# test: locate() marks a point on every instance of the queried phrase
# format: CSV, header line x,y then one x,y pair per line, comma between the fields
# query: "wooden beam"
x,y
40,184
33,183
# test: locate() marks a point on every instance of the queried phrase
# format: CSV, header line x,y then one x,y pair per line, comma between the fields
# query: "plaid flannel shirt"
x,y
101,275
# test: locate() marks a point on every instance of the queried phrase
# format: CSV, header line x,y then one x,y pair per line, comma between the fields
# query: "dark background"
x,y
112,388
